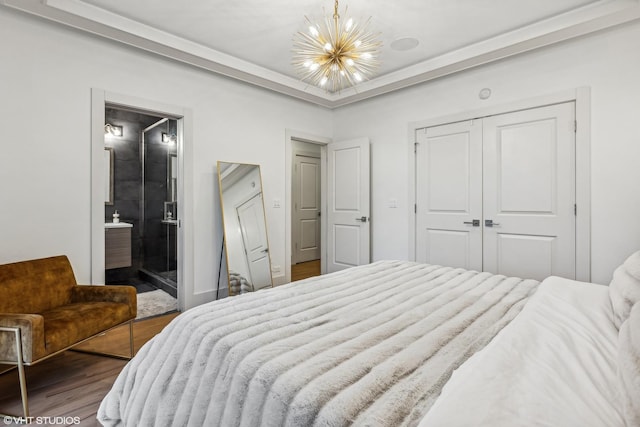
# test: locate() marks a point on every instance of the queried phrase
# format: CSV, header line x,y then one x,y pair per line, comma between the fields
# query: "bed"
x,y
391,343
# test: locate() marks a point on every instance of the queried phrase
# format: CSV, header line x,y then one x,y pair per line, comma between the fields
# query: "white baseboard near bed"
x,y
279,280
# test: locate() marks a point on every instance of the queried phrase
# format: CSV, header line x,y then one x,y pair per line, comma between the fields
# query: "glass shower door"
x,y
159,204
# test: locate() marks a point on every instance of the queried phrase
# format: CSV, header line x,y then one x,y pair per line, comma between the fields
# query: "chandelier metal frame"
x,y
337,54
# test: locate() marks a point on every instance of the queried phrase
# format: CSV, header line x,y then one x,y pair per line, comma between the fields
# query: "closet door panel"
x,y
448,247
449,195
529,192
526,256
526,168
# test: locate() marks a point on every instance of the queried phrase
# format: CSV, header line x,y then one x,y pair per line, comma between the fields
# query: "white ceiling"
x,y
251,40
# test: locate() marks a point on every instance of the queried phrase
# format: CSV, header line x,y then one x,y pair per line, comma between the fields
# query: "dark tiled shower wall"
x,y
127,183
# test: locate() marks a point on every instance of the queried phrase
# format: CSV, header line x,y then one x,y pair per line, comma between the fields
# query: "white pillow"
x,y
629,366
624,289
632,264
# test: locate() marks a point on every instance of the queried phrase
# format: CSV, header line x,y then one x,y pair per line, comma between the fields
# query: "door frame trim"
x,y
290,136
581,96
101,99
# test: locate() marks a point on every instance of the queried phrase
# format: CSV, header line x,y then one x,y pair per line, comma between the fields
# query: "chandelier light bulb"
x,y
349,24
335,54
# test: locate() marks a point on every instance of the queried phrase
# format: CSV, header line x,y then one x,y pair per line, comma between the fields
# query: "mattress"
x,y
554,365
371,345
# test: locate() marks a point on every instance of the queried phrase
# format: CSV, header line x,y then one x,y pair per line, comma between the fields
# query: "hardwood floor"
x,y
71,385
304,270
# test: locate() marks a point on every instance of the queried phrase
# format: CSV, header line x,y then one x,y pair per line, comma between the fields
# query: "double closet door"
x,y
497,194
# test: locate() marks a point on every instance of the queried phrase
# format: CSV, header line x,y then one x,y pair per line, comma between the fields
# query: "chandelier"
x,y
337,54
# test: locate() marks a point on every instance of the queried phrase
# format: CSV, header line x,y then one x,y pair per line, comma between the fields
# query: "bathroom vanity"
x,y
117,245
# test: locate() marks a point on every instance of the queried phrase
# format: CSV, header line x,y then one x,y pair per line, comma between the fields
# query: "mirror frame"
x,y
224,228
108,178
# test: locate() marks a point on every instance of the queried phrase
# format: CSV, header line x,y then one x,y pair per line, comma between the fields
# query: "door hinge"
x,y
575,209
415,208
575,126
415,147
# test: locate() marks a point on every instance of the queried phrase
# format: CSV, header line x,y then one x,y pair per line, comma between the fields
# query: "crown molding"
x,y
86,17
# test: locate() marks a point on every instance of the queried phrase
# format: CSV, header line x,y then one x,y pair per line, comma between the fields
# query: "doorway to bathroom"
x,y
143,203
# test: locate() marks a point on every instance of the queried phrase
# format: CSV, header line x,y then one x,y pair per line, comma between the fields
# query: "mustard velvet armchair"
x,y
43,311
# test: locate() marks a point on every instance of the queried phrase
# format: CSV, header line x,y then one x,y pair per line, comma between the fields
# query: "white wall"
x,y
607,62
46,77
48,70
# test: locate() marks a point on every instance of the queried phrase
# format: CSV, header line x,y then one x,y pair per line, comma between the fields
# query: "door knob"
x,y
490,223
362,219
474,222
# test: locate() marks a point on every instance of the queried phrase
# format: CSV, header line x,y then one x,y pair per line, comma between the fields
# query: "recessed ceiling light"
x,y
404,43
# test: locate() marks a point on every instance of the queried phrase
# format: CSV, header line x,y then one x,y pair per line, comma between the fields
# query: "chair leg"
x,y
20,365
20,362
131,348
23,388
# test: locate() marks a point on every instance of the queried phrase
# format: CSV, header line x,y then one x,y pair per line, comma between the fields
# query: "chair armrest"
x,y
32,333
99,293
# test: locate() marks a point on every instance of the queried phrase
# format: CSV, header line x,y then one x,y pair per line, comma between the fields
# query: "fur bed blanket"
x,y
371,345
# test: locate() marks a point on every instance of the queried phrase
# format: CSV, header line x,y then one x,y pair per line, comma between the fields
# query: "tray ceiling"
x,y
251,40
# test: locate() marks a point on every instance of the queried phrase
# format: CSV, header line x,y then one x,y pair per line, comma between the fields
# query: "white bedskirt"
x,y
372,345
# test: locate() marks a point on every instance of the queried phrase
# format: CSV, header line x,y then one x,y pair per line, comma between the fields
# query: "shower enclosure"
x,y
158,207
144,176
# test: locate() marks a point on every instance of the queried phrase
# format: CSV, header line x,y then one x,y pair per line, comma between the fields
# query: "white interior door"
x,y
254,238
348,236
513,172
306,209
529,192
449,195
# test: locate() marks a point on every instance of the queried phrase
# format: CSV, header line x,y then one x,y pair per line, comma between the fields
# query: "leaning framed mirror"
x,y
245,227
